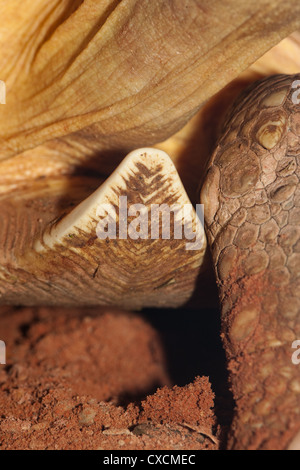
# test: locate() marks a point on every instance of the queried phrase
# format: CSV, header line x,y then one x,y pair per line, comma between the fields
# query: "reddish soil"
x,y
95,380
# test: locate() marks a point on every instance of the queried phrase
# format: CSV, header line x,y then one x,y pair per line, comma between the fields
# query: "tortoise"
x,y
87,82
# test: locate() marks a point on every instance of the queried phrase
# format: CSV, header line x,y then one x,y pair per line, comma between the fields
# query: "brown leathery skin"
x,y
121,74
252,209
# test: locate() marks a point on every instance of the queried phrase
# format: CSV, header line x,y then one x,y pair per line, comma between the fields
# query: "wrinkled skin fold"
x,y
131,72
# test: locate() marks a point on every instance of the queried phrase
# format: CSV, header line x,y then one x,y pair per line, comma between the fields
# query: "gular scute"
x,y
241,175
75,259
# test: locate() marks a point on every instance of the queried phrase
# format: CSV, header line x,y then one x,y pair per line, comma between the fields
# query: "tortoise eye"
x,y
271,131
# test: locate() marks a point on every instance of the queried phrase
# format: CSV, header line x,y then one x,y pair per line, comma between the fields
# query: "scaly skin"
x,y
252,208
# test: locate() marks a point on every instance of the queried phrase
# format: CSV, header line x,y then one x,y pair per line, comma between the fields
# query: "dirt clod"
x,y
85,380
